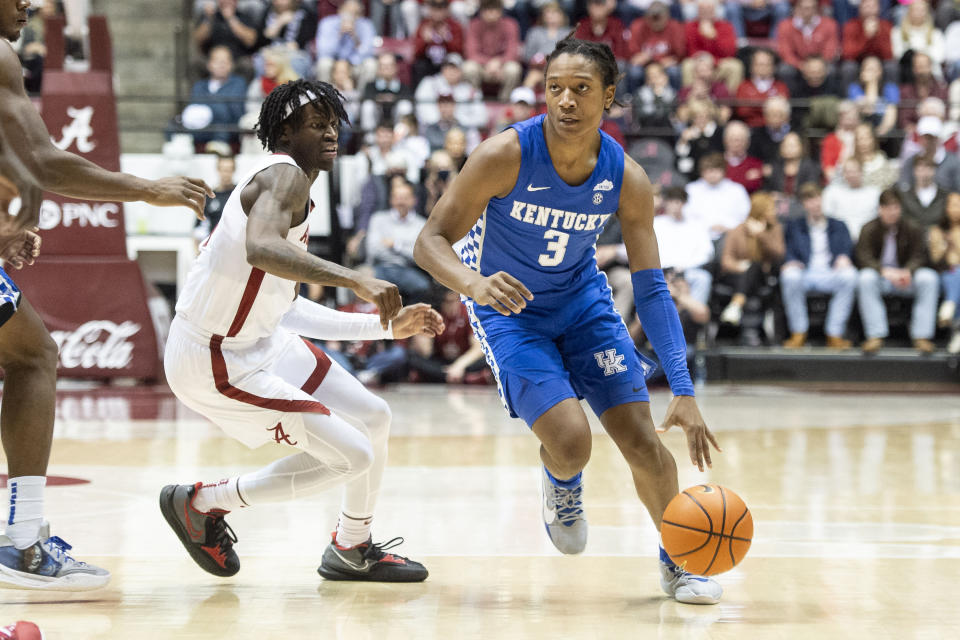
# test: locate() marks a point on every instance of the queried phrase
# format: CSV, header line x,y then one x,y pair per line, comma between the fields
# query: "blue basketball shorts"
x,y
542,357
9,297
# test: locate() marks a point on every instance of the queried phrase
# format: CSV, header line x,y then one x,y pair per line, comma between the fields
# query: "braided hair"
x,y
284,102
597,52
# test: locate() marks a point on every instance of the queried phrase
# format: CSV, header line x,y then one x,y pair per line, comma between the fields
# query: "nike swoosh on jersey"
x,y
530,187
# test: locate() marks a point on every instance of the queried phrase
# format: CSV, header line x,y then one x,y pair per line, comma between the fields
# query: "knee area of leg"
x,y
644,448
868,276
378,418
39,355
573,451
360,457
926,278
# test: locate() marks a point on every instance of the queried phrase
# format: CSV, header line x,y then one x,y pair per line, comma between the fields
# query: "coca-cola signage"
x,y
98,344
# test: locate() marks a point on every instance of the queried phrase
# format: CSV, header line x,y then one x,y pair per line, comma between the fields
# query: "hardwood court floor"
x,y
855,497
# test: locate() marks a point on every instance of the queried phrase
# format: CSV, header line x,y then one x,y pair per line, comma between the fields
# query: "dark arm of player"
x,y
657,312
31,157
491,171
277,192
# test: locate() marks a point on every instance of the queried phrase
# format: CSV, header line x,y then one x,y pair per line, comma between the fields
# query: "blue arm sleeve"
x,y
660,321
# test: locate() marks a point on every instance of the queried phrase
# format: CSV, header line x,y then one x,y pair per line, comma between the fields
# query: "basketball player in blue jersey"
x,y
529,204
30,558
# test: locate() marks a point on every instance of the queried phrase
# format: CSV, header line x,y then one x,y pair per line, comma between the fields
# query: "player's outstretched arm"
x,y
657,312
312,320
491,171
271,199
32,162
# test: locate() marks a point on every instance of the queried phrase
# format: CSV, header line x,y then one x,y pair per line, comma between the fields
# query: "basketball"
x,y
707,529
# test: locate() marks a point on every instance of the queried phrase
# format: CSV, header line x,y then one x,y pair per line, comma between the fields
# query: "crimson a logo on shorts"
x,y
280,436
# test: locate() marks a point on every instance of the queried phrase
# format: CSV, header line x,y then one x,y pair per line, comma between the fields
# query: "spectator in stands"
x,y
349,36
806,34
819,94
761,85
916,32
276,69
451,356
818,258
390,240
773,12
951,47
793,168
374,196
395,18
436,132
715,201
684,243
222,24
849,200
702,136
471,112
217,101
948,11
31,48
948,166
892,254
944,241
386,98
383,144
437,175
599,25
455,144
704,85
292,25
408,141
693,313
492,48
655,101
752,252
523,102
922,85
867,36
912,141
213,208
717,38
876,98
541,40
924,203
878,170
342,77
839,143
655,38
437,36
742,168
765,140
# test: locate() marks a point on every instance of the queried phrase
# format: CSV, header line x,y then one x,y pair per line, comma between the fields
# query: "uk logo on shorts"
x,y
610,361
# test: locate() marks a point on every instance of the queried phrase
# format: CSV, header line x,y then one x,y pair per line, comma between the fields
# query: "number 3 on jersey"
x,y
557,245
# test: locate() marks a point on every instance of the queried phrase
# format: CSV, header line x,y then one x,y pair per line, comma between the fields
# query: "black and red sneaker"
x,y
205,535
370,562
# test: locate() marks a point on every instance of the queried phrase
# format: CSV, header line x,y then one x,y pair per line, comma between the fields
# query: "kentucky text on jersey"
x,y
557,218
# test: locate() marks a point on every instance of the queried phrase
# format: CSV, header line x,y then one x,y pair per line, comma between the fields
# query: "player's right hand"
x,y
181,192
384,294
501,291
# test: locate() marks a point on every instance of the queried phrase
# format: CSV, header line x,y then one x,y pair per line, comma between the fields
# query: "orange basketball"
x,y
707,529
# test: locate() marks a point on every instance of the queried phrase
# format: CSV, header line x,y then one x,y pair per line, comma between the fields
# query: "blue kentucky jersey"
x,y
545,231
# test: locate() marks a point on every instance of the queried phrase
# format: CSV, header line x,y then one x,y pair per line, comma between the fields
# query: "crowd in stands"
x,y
800,149
804,152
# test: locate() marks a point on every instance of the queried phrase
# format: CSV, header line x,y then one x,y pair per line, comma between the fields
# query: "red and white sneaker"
x,y
369,562
22,630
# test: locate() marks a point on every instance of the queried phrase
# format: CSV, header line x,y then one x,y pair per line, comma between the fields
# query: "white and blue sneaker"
x,y
563,515
46,565
686,587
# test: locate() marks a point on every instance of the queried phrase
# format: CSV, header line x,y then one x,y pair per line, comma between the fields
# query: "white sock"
x,y
224,495
353,530
26,510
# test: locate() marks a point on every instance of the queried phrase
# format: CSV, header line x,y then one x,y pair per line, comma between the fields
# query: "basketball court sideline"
x,y
855,500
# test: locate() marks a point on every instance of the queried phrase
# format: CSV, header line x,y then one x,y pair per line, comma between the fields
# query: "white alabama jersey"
x,y
224,295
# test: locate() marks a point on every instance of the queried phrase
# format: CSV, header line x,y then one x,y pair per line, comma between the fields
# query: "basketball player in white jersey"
x,y
235,354
30,558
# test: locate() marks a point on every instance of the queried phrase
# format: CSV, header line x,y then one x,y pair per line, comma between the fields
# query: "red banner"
x,y
91,297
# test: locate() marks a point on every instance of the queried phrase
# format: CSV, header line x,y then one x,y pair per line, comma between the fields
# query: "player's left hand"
x,y
181,192
684,413
20,247
417,318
